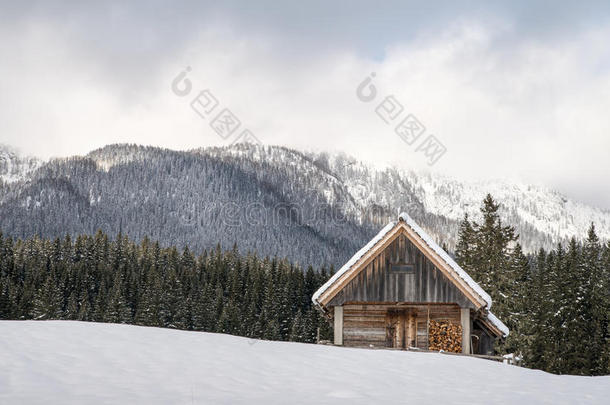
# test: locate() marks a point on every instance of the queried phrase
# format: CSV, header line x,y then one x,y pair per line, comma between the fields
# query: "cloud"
x,y
504,105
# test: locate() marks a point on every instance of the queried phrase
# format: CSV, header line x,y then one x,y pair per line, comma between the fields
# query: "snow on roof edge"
x,y
441,252
498,324
352,261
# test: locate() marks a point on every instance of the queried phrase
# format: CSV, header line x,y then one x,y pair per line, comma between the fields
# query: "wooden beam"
x,y
338,326
411,330
401,331
465,320
428,327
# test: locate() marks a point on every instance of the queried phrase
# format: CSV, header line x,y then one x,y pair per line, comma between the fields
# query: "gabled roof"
x,y
446,263
446,258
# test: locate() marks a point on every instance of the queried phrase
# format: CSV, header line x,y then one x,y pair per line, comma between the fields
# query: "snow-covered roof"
x,y
434,246
498,324
352,261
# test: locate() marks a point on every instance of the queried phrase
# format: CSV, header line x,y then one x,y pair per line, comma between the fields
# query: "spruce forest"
x,y
94,279
556,303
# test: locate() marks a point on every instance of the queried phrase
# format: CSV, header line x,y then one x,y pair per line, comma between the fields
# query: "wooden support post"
x,y
338,328
428,328
400,331
414,328
465,320
410,330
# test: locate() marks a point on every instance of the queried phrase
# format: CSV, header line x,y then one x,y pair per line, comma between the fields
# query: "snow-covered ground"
x,y
63,362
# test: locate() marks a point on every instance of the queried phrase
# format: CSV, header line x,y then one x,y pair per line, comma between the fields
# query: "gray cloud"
x,y
513,89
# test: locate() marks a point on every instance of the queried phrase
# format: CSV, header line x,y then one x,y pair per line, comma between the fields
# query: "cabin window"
x,y
402,268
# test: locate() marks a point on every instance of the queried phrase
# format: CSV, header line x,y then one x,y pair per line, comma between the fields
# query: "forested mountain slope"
x,y
313,208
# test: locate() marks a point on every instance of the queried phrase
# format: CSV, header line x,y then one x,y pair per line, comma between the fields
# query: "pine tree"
x,y
518,303
84,308
485,252
203,317
566,294
534,353
606,303
465,250
218,306
117,310
297,329
72,309
185,313
229,319
48,301
149,304
272,330
6,305
99,307
492,253
594,308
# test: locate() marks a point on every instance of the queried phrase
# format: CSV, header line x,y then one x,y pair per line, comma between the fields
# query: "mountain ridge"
x,y
314,208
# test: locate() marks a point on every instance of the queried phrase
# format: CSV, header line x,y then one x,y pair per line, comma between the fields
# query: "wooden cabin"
x,y
402,290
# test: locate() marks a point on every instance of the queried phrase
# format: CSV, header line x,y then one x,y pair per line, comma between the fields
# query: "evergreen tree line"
x,y
556,303
97,279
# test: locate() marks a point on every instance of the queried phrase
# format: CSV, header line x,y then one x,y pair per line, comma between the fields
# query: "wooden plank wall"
x,y
366,324
378,283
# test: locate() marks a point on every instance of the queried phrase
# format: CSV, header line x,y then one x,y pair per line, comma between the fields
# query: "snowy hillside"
x,y
64,362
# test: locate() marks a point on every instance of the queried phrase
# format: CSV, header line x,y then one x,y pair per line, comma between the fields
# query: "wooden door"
x,y
393,327
401,329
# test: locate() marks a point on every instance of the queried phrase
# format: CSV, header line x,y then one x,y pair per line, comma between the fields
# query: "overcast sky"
x,y
512,90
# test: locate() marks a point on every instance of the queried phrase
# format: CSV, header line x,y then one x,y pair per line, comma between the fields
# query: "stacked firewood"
x,y
445,336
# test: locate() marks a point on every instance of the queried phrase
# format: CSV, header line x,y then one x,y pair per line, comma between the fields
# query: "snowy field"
x,y
63,362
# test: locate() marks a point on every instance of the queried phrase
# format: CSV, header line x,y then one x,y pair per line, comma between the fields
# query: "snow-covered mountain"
x,y
542,216
314,208
14,167
68,362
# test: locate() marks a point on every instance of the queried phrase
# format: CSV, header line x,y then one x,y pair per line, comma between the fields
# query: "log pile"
x,y
445,336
